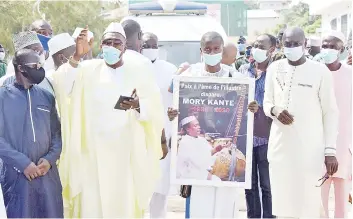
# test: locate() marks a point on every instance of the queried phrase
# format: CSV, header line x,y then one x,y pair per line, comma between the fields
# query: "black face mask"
x,y
35,76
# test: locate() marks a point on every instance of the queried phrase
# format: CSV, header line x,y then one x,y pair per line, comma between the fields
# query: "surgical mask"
x,y
330,55
241,47
343,56
2,56
293,54
213,59
34,76
259,55
152,54
42,58
111,55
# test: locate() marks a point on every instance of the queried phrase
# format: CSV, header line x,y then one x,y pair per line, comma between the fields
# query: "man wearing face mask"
x,y
62,47
31,183
314,45
45,33
111,160
332,47
241,60
27,40
264,47
204,199
2,62
163,72
300,98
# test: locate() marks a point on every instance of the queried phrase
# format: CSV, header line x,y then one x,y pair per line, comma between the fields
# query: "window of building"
x,y
344,24
334,24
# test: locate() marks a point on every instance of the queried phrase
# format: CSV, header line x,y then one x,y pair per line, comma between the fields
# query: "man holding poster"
x,y
222,199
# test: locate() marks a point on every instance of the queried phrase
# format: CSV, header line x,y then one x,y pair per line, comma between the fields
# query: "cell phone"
x,y
78,31
121,99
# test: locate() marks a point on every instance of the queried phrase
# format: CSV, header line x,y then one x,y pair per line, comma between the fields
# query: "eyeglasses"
x,y
322,180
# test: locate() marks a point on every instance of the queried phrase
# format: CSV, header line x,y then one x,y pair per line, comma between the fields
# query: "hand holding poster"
x,y
212,137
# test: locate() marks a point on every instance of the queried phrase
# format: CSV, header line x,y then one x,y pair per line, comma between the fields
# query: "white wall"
x,y
258,26
274,5
336,11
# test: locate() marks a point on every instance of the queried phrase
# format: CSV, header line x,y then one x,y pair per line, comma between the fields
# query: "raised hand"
x,y
82,45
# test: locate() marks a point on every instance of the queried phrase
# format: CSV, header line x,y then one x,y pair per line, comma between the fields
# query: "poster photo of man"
x,y
212,132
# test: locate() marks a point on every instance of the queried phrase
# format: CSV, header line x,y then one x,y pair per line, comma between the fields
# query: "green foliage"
x,y
298,15
64,16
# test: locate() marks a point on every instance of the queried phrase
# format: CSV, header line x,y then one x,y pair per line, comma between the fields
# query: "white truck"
x,y
179,26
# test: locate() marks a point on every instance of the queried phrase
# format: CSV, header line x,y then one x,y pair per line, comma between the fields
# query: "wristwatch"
x,y
73,61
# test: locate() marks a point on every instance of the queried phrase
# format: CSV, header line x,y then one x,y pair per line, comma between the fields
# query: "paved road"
x,y
176,207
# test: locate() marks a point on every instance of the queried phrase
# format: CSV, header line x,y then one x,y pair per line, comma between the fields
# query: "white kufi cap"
x,y
314,41
115,27
60,42
339,35
24,39
187,120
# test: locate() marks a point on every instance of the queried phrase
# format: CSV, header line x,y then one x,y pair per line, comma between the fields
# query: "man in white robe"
x,y
110,166
163,73
300,98
195,154
206,201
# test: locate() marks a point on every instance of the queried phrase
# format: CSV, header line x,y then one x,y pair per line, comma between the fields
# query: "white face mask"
x,y
293,54
259,55
152,54
330,55
212,60
2,55
42,58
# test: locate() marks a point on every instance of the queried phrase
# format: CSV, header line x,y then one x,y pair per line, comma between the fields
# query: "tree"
x,y
298,15
64,16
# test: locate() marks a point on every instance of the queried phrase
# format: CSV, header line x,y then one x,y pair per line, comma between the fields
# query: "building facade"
x,y
261,21
336,15
277,5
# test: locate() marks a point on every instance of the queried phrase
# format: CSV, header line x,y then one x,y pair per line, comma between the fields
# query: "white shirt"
x,y
198,70
194,158
163,72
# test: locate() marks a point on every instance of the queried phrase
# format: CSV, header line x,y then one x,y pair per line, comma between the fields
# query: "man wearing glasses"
x,y
27,40
30,143
111,160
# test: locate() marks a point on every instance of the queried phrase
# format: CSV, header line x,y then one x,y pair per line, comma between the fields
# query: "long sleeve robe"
x,y
110,163
163,73
194,159
296,152
29,130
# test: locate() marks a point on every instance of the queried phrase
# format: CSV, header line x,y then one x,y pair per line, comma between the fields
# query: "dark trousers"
x,y
259,168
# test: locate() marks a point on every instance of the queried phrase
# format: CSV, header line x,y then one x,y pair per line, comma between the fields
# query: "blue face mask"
x,y
212,60
241,47
44,41
111,55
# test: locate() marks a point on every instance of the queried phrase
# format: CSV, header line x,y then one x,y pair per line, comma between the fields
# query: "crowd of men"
x,y
70,147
